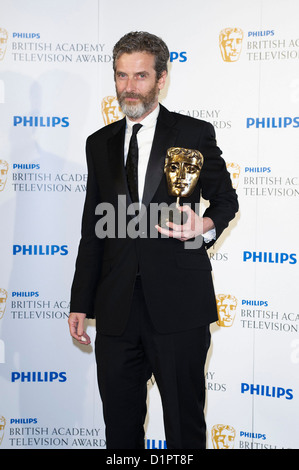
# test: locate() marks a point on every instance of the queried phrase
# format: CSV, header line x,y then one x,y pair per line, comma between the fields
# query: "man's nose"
x,y
130,85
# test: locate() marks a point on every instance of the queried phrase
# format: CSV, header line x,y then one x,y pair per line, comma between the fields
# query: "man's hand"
x,y
76,326
193,226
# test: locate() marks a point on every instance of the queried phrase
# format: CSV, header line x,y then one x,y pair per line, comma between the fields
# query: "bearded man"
x,y
151,294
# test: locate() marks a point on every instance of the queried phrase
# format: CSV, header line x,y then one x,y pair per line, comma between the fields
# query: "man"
x,y
151,295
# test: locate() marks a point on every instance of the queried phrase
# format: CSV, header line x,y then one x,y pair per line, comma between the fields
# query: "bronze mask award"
x,y
182,169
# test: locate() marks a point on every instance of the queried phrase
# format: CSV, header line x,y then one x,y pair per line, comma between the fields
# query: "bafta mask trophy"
x,y
182,169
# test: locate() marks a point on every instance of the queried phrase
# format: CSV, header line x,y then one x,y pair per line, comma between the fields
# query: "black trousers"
x,y
125,364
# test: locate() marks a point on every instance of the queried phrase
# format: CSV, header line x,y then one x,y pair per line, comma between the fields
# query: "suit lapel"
x,y
116,158
165,136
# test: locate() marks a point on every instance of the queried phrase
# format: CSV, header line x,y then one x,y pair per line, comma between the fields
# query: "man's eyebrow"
x,y
141,72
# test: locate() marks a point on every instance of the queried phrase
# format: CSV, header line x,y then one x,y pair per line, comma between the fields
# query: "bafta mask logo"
x,y
2,428
226,306
182,169
3,174
223,436
3,42
3,299
235,171
111,110
230,43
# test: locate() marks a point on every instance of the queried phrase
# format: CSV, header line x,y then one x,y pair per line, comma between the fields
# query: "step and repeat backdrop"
x,y
234,65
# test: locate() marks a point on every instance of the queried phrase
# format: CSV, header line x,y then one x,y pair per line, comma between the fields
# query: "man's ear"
x,y
162,80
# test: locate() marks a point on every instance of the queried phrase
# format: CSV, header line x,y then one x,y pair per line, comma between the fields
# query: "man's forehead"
x,y
135,59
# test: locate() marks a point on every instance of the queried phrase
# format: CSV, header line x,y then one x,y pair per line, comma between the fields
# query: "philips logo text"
x,y
253,435
39,250
267,391
40,121
38,376
26,166
257,169
269,257
26,35
180,56
260,33
23,421
255,303
272,122
25,294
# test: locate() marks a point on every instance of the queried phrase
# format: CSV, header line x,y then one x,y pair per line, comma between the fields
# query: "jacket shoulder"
x,y
107,131
182,120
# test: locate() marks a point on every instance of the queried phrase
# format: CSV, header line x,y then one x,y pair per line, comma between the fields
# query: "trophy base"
x,y
171,215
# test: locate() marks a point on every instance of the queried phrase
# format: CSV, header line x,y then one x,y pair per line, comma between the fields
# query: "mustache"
x,y
125,94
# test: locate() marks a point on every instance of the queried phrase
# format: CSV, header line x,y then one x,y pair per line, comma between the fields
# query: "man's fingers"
x,y
185,208
179,235
84,339
76,327
175,227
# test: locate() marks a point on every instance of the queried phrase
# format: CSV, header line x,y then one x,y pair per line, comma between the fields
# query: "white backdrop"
x,y
56,70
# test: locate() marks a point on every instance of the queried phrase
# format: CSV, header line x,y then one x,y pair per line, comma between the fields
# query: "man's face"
x,y
181,175
136,84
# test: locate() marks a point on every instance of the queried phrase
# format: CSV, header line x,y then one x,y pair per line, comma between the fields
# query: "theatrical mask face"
x,y
3,42
182,169
230,42
3,299
3,173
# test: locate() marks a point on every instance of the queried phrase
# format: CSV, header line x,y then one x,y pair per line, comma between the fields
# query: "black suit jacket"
x,y
177,282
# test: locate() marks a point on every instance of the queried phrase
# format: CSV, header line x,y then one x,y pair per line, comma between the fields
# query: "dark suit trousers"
x,y
125,364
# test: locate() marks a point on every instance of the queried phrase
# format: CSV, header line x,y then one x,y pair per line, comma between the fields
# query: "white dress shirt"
x,y
145,138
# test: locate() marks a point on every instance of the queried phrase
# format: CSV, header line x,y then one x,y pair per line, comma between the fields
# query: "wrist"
x,y
207,224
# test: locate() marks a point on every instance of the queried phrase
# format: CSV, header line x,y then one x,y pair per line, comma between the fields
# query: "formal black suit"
x,y
176,282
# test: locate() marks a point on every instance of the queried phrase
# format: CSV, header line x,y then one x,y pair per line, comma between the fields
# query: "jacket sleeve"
x,y
216,184
89,258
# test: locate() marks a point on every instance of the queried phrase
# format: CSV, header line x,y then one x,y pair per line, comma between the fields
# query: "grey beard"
x,y
136,111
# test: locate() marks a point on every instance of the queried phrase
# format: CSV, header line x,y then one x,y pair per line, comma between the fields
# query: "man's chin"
x,y
132,111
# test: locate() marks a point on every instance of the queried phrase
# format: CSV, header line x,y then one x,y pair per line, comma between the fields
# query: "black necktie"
x,y
132,164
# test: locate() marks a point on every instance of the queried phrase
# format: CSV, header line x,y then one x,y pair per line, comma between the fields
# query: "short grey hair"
x,y
140,41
